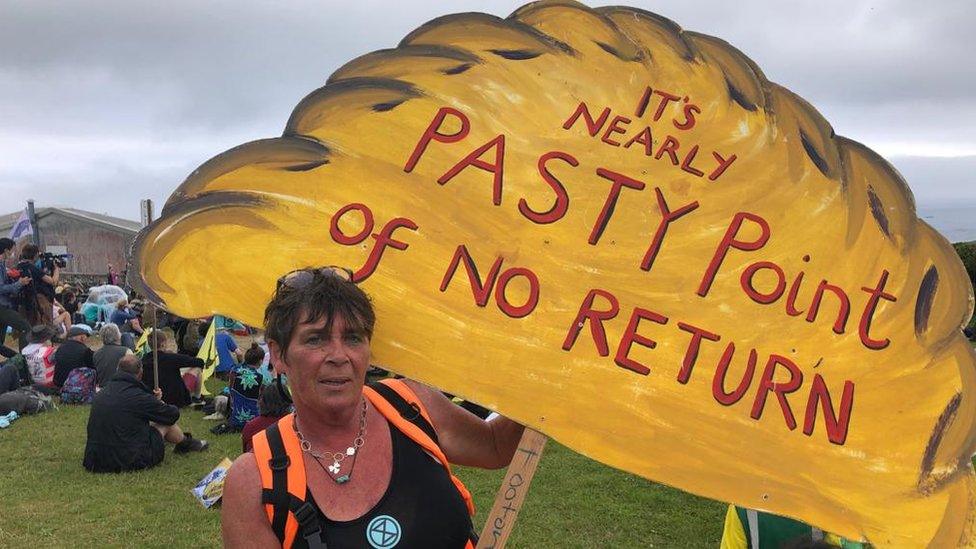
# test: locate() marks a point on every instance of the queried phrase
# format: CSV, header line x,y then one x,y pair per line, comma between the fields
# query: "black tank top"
x,y
421,508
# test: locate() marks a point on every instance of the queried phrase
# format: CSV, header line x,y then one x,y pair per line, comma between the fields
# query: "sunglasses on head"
x,y
301,278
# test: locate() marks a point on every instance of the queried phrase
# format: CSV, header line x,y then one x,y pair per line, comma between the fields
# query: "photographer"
x,y
9,291
37,296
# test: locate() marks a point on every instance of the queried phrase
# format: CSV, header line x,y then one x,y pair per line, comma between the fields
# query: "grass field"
x,y
49,500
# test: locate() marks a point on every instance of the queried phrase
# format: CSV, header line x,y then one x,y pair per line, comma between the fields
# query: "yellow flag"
x,y
142,345
208,353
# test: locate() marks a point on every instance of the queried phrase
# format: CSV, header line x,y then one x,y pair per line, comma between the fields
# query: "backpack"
x,y
23,371
79,387
25,401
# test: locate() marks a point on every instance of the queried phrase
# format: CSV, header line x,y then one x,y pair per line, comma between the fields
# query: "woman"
x,y
127,321
385,482
107,358
245,389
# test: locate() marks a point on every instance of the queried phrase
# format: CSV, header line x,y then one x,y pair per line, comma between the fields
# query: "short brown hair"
x,y
130,364
326,296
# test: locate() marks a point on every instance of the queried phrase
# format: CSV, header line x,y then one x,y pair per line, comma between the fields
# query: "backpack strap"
x,y
279,459
400,406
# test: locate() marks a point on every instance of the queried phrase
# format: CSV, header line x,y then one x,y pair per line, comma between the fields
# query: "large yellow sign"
x,y
622,235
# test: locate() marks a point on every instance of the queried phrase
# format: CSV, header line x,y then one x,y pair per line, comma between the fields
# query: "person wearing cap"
x,y
73,353
39,354
129,425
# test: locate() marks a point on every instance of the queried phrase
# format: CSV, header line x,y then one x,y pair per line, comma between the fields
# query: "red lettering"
x,y
614,128
691,353
642,104
480,291
718,380
836,425
502,301
592,126
766,385
384,240
842,314
665,99
631,336
794,291
561,204
667,217
877,293
596,318
723,164
619,181
432,134
689,111
644,138
669,146
496,168
689,158
729,241
345,239
746,282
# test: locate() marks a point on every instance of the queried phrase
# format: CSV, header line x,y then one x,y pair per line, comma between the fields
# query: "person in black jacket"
x,y
128,424
73,353
170,375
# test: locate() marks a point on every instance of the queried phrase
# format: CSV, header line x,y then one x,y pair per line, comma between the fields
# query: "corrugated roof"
x,y
8,220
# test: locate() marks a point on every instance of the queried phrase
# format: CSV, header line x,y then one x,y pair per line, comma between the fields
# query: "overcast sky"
x,y
105,103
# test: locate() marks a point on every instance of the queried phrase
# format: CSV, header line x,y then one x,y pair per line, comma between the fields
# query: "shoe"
x,y
197,402
4,423
220,429
190,444
216,416
10,416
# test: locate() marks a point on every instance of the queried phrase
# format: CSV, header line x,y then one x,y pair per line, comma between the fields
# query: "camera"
x,y
49,260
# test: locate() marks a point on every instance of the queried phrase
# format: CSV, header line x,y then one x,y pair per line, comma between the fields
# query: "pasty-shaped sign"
x,y
620,234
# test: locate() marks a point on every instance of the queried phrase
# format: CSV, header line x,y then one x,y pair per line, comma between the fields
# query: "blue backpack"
x,y
79,388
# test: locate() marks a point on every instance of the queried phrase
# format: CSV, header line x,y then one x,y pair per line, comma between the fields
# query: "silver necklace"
x,y
337,457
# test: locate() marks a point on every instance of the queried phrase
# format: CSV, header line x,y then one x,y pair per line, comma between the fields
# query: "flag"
x,y
142,346
22,227
208,354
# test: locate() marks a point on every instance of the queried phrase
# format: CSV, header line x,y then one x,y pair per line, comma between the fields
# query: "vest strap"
x,y
278,463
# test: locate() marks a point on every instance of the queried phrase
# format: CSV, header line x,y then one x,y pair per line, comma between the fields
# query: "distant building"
x,y
95,240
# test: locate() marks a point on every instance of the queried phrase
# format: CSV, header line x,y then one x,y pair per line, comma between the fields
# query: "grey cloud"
x,y
160,74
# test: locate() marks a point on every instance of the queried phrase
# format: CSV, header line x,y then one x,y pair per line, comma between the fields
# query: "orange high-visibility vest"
x,y
280,462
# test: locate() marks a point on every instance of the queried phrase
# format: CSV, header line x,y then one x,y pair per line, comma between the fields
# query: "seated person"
x,y
62,320
128,322
39,354
70,303
245,389
73,353
129,422
228,354
107,358
271,406
91,313
170,376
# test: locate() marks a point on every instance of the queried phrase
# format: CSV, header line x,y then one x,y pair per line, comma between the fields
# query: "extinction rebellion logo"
x,y
383,532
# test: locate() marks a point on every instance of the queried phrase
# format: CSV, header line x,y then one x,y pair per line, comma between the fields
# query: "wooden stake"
x,y
508,502
155,335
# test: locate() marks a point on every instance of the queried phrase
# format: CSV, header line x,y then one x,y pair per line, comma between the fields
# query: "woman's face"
x,y
326,369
